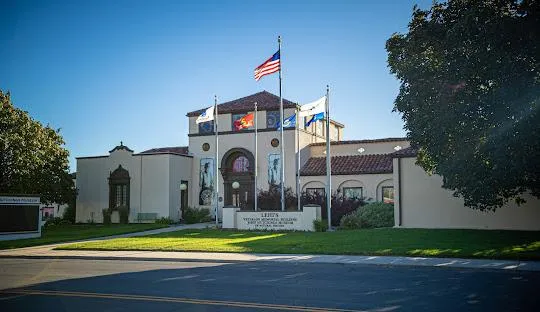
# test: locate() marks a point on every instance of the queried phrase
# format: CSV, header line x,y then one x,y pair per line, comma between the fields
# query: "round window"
x,y
205,147
274,142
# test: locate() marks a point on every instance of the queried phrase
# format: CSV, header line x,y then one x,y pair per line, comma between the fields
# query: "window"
x,y
240,164
206,127
319,191
353,192
119,188
272,118
388,194
121,195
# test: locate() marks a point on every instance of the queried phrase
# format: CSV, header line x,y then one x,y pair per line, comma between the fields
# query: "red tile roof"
x,y
265,101
182,150
361,141
349,165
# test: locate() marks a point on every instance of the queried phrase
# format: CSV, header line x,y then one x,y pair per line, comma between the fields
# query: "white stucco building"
x,y
148,182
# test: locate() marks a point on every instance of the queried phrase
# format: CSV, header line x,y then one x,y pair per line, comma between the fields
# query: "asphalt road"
x,y
114,285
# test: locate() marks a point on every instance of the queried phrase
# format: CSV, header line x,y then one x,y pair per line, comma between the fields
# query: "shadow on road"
x,y
323,286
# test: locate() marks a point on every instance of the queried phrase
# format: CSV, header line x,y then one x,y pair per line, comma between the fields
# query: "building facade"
x,y
151,183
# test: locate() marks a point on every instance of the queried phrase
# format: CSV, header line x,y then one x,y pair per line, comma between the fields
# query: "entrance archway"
x,y
238,165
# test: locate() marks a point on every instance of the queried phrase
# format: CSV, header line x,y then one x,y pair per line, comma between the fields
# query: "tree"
x,y
32,157
469,96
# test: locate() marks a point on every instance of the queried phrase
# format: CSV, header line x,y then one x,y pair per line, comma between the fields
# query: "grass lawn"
x,y
64,233
403,242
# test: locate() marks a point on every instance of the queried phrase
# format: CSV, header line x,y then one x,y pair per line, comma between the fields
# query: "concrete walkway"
x,y
172,228
48,251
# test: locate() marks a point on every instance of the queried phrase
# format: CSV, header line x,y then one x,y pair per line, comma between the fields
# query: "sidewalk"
x,y
45,248
47,252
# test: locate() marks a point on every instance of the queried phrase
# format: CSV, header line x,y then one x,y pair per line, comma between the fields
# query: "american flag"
x,y
270,66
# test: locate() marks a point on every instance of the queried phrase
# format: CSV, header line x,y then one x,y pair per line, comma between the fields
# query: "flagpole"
x,y
328,161
282,141
297,159
216,180
256,157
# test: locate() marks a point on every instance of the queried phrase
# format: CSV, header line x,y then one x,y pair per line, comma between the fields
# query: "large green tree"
x,y
33,159
469,96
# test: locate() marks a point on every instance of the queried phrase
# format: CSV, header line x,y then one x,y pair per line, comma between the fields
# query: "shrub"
x,y
69,213
271,199
352,221
340,206
194,215
57,221
123,212
106,216
378,215
164,220
374,215
320,225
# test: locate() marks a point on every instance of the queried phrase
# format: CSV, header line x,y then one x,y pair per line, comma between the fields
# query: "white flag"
x,y
313,108
207,115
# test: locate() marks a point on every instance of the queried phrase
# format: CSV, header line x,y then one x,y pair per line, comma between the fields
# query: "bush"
x,y
69,213
320,225
271,199
107,216
164,220
374,215
57,221
194,215
352,221
340,206
123,212
377,215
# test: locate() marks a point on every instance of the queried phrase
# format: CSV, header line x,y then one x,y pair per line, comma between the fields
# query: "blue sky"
x,y
106,71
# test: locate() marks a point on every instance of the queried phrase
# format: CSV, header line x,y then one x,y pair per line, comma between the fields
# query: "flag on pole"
x,y
313,108
319,116
289,122
207,115
244,122
270,66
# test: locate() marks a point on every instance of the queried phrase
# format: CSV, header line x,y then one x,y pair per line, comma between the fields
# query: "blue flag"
x,y
289,122
314,118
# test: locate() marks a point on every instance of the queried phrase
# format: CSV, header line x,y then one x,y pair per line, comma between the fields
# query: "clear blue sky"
x,y
106,71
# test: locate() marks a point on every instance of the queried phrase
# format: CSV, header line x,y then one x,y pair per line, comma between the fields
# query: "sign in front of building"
x,y
19,200
270,220
20,217
273,221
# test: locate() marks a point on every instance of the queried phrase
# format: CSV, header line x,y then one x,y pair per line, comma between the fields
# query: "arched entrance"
x,y
238,165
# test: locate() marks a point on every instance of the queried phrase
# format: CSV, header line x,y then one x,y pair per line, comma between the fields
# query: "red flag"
x,y
244,122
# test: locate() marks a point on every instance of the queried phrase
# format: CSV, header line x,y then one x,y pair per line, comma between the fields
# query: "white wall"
x,y
180,170
155,186
93,189
425,204
156,192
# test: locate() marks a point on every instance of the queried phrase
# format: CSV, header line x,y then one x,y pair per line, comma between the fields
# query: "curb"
x,y
443,263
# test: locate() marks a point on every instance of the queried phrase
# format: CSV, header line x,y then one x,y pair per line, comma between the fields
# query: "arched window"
x,y
240,164
119,188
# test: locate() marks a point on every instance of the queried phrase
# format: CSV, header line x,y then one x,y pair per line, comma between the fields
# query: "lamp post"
x,y
235,186
183,187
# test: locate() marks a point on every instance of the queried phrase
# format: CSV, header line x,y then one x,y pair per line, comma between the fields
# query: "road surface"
x,y
118,285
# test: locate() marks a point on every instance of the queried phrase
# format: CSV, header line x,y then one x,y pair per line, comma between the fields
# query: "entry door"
x,y
244,194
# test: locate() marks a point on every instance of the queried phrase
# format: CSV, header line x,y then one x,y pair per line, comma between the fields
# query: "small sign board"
x,y
20,217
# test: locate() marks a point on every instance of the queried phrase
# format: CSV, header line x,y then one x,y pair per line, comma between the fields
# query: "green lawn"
x,y
404,242
65,233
